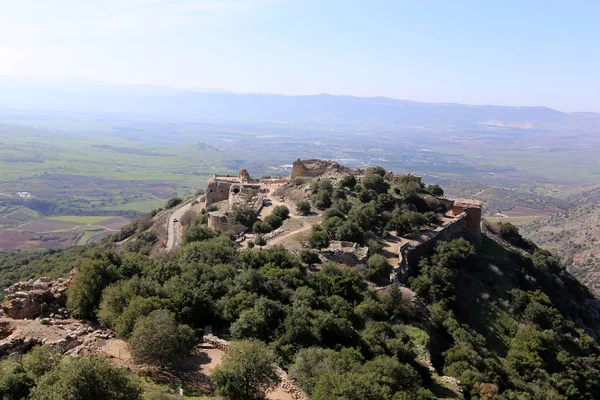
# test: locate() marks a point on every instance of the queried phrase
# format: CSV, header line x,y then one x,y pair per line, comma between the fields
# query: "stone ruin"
x,y
318,168
226,187
348,253
234,190
31,299
464,222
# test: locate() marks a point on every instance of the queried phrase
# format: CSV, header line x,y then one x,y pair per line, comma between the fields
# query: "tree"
x,y
15,383
303,208
322,199
242,216
40,360
137,307
188,217
435,190
157,339
318,239
259,322
83,296
281,211
247,371
378,266
261,227
274,221
378,170
173,201
198,234
89,378
348,181
116,296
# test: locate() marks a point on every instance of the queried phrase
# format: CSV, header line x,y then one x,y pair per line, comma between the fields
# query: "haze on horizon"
x,y
535,53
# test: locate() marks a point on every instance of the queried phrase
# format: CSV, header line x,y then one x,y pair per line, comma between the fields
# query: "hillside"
x,y
321,109
435,308
573,236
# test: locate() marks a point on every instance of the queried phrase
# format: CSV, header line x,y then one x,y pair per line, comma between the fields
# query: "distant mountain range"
x,y
323,109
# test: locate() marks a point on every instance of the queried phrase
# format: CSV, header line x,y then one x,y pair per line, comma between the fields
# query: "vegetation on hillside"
x,y
507,324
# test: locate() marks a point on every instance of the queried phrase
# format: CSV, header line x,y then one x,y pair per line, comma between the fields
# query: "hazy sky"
x,y
524,52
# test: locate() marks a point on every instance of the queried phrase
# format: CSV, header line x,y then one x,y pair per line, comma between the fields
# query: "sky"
x,y
504,52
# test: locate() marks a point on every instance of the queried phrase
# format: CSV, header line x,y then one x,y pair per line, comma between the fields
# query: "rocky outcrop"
x,y
31,299
316,168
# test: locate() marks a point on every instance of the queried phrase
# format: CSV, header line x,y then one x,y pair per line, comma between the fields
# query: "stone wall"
x,y
217,221
217,191
315,168
348,253
410,255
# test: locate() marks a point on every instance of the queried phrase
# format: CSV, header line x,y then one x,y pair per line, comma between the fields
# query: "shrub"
x,y
303,208
158,340
89,378
261,227
259,240
274,221
173,201
435,190
247,371
41,360
198,233
242,216
378,266
348,181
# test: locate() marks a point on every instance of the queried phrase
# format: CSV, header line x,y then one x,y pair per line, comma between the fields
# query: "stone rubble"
x,y
31,298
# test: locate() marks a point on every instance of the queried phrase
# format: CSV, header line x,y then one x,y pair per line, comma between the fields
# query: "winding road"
x,y
174,229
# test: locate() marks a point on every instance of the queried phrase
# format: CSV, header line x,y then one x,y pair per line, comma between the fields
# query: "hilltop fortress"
x,y
461,217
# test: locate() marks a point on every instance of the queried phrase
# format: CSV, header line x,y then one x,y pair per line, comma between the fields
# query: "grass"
x,y
81,219
143,205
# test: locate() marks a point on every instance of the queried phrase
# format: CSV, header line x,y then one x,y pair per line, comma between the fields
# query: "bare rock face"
x,y
31,299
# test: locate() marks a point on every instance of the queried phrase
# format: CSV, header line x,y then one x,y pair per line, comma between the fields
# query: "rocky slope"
x,y
573,236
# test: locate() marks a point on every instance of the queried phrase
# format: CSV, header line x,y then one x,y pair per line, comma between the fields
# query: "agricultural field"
x,y
59,232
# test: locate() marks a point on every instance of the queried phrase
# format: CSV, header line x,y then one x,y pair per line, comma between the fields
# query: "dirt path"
x,y
278,239
390,248
481,192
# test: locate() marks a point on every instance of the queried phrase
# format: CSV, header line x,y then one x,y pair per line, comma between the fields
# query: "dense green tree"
x,y
318,239
15,383
137,307
376,183
322,199
173,201
243,216
159,340
247,371
84,294
40,360
435,190
198,233
259,322
89,378
348,181
379,268
261,227
116,297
